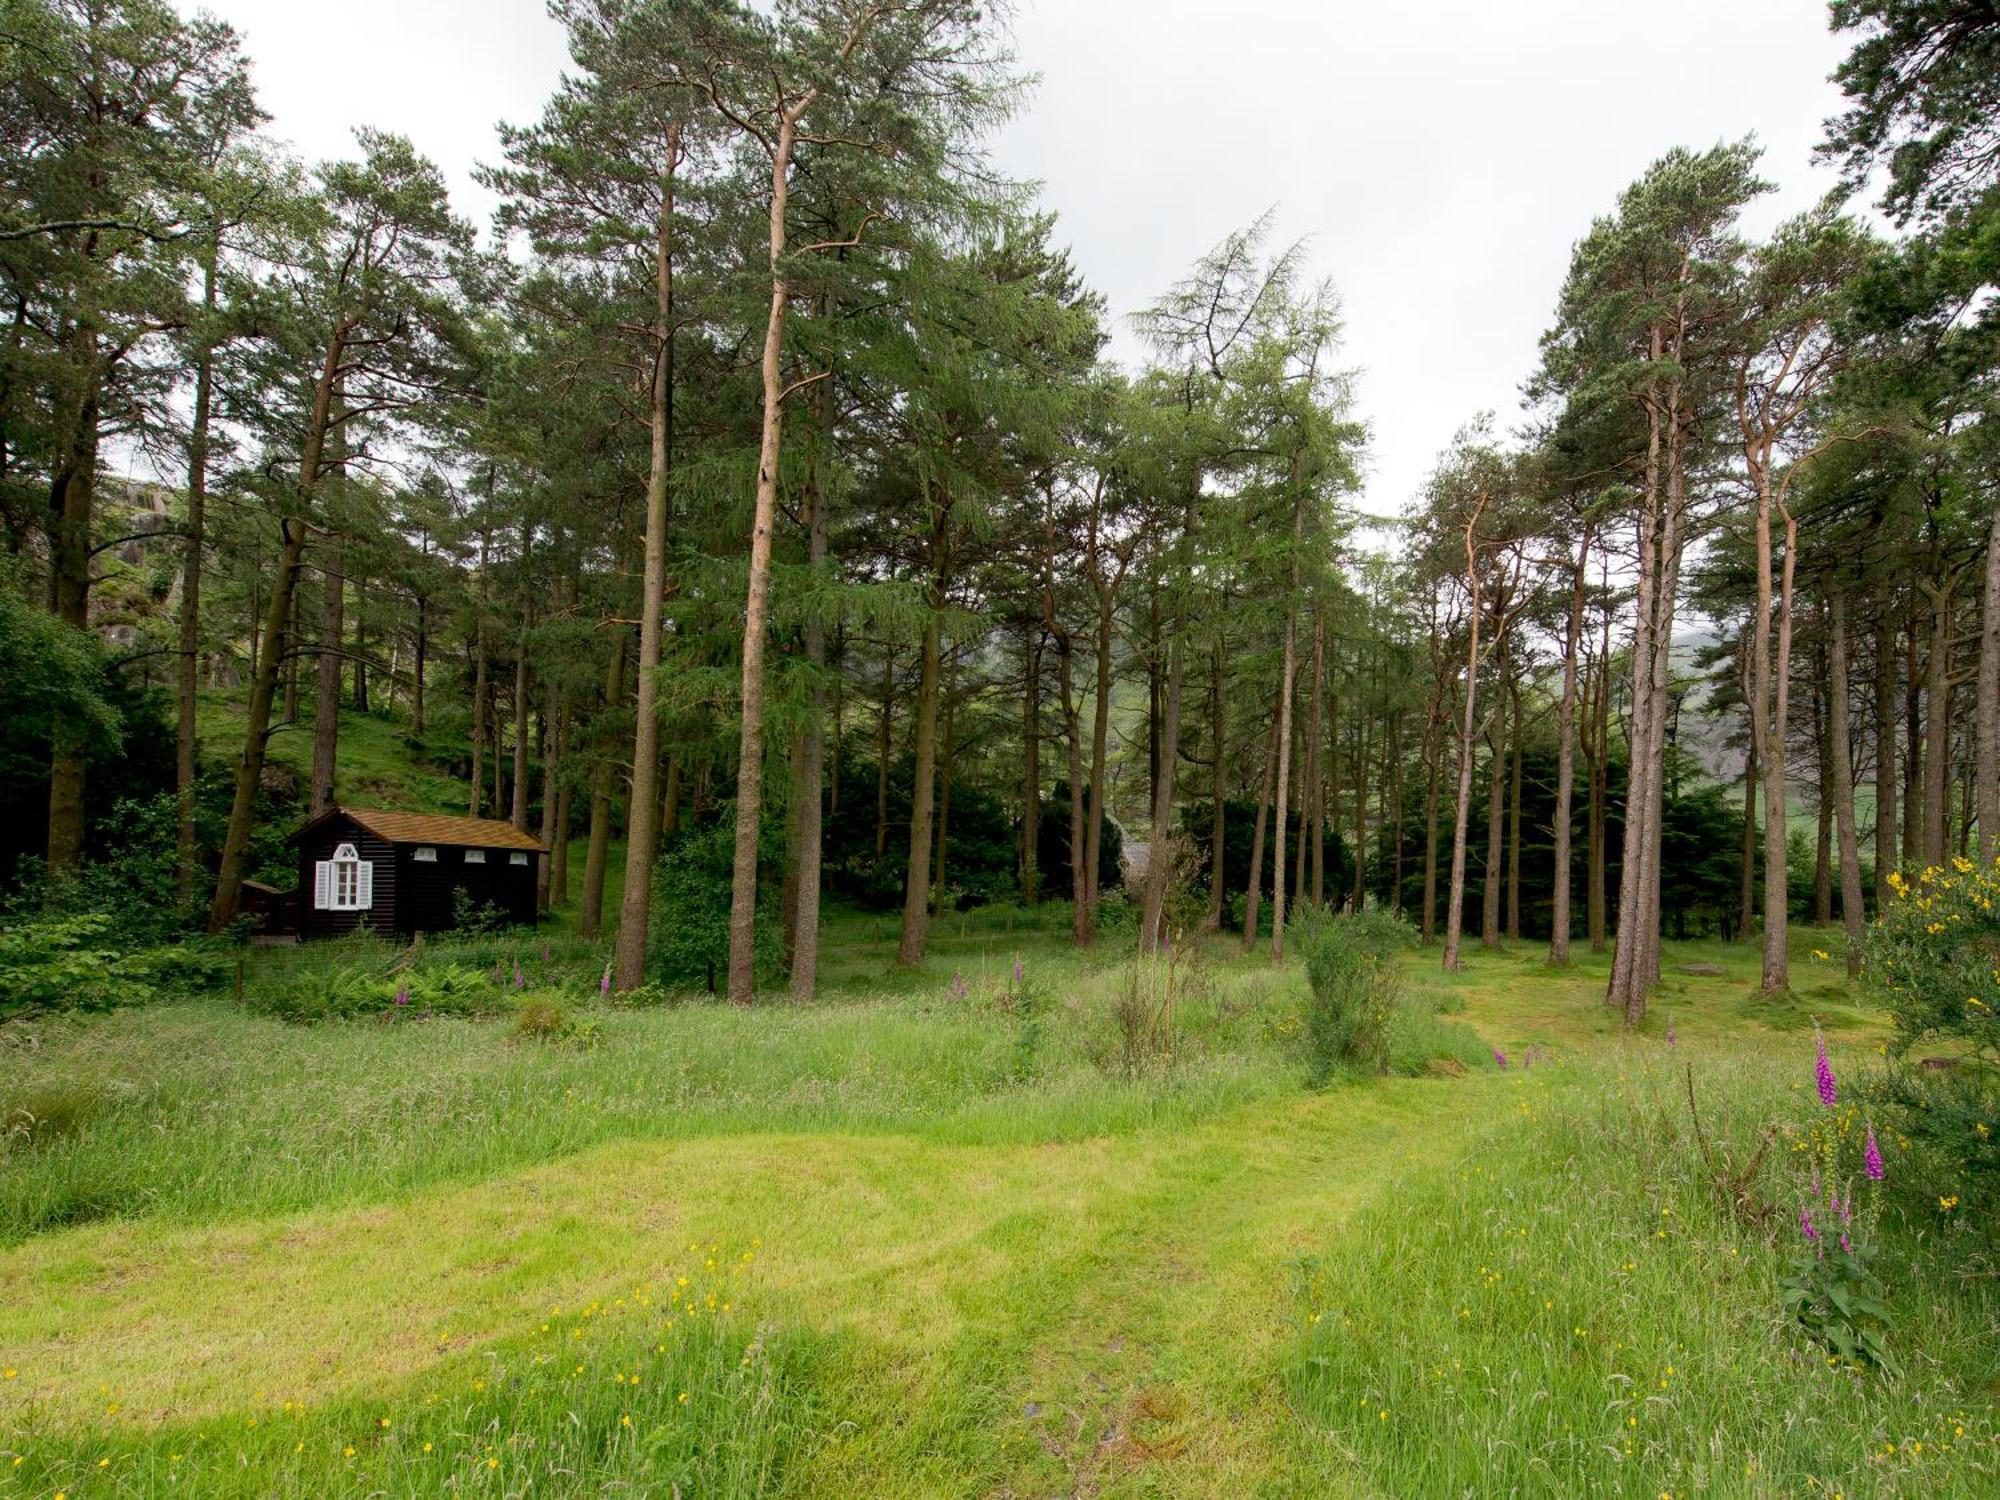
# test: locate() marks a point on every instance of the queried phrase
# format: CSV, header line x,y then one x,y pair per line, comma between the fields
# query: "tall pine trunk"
x,y
1218,787
1559,917
1986,710
278,621
1885,747
642,832
923,784
1454,917
1251,899
1031,766
603,787
1852,917
812,748
187,664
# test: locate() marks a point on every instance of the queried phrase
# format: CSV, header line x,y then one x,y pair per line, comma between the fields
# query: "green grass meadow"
x,y
921,1238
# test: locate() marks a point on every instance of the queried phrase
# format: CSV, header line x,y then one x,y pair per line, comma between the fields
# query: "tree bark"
x,y
923,785
1885,747
72,503
757,607
812,749
1031,767
1986,748
1218,787
1433,775
479,699
188,661
551,836
1514,816
1937,724
1287,679
1251,901
1159,863
1852,917
1823,842
1496,803
1454,919
885,747
523,742
234,865
642,832
947,706
1310,836
1559,916
1100,728
332,625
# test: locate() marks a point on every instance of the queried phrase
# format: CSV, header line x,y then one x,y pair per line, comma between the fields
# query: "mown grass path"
x,y
1004,1316
1092,1318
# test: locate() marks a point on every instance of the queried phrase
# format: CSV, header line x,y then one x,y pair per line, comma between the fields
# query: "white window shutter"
x,y
322,885
364,895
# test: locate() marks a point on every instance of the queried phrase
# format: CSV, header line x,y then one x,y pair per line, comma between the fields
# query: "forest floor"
x,y
908,1242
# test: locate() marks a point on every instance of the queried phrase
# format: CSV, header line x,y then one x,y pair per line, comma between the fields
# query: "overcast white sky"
x,y
1439,156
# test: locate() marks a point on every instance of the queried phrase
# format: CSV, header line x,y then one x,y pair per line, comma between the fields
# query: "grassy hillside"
x,y
379,764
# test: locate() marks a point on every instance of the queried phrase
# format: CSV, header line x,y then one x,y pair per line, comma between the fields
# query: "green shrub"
x,y
346,992
689,932
1353,984
540,1019
55,963
1934,957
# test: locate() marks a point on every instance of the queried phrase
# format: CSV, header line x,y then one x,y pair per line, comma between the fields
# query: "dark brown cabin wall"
x,y
378,851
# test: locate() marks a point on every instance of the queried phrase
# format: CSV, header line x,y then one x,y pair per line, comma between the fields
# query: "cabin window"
x,y
425,855
475,856
344,883
517,859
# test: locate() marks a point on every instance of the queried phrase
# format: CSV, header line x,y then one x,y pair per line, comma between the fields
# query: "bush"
x,y
1934,957
689,933
347,992
56,963
1354,981
543,1020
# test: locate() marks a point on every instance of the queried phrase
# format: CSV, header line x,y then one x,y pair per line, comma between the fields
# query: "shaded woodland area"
x,y
757,508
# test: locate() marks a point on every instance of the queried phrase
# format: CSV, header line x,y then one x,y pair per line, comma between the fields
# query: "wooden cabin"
x,y
399,873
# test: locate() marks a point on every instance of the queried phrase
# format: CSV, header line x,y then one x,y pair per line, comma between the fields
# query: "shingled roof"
x,y
430,828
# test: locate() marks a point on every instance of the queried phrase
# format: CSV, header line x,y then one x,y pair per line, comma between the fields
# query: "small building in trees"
x,y
403,873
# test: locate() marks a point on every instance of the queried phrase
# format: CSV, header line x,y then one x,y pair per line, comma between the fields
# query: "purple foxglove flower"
x,y
1845,1248
604,984
1872,1158
1499,1057
1017,971
1847,1210
1823,1073
958,986
1815,1182
545,953
519,983
1806,1226
1672,1040
402,994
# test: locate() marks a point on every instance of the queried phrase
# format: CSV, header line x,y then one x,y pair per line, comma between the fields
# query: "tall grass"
x,y
200,1111
1571,1312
